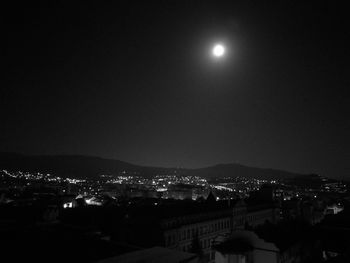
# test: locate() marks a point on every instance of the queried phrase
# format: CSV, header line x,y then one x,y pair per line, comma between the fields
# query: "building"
x,y
154,255
183,224
280,243
220,219
245,247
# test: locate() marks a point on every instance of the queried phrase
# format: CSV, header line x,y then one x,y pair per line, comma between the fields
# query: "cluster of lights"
x,y
164,183
39,177
221,188
159,180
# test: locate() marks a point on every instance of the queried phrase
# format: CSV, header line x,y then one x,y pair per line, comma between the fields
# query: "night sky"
x,y
135,81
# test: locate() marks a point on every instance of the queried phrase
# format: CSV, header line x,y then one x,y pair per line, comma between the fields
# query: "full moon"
x,y
218,50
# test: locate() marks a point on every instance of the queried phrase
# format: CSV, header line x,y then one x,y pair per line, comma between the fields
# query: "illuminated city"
x,y
175,132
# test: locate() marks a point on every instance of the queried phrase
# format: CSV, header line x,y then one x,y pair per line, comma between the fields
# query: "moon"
x,y
218,50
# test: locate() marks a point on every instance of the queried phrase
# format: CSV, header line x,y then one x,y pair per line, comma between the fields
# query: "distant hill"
x,y
79,166
233,170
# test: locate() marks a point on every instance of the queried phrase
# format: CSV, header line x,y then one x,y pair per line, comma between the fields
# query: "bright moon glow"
x,y
218,50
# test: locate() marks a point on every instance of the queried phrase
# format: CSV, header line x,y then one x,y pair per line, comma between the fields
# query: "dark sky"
x,y
135,81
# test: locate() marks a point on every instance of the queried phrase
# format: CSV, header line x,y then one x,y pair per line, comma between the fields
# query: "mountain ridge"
x,y
86,166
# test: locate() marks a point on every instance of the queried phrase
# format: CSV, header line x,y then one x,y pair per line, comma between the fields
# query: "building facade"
x,y
181,232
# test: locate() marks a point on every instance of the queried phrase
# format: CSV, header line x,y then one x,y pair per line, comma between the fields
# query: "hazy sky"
x,y
135,81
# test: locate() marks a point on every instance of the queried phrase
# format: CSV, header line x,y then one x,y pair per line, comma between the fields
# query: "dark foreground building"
x,y
189,226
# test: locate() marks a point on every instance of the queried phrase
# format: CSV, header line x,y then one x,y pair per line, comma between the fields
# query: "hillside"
x,y
80,166
233,170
